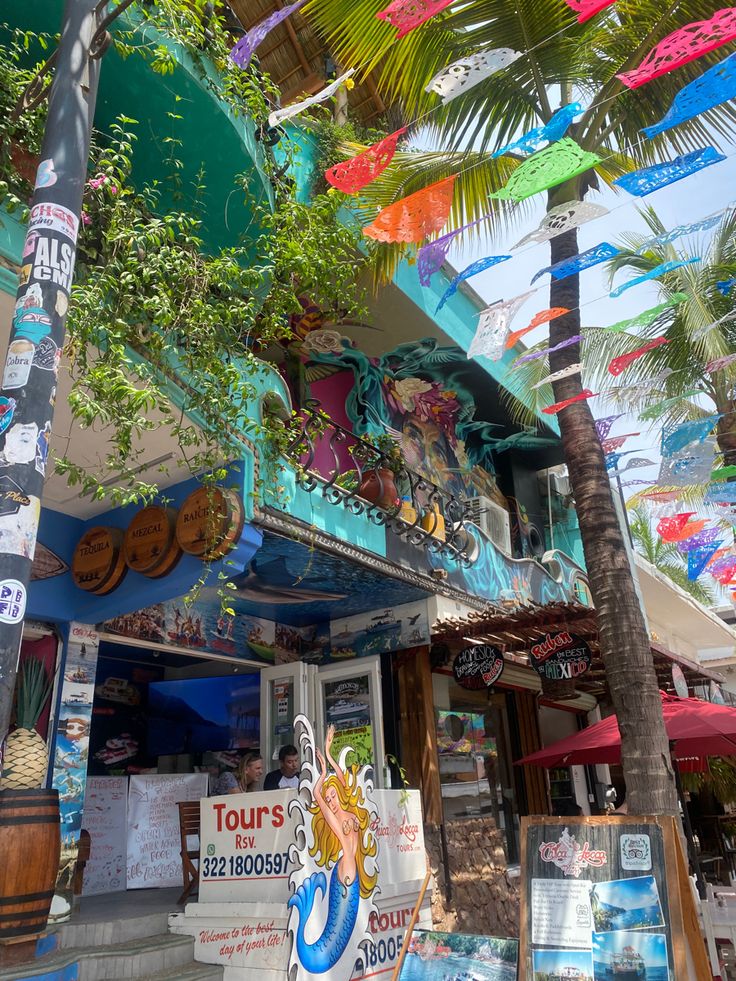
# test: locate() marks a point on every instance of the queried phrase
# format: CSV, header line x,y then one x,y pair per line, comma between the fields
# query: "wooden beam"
x,y
418,732
299,50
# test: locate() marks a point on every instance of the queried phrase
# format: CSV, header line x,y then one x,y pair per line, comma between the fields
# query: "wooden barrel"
x,y
30,846
151,547
210,522
98,563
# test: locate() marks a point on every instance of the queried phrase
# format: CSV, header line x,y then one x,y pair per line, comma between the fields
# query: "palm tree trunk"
x,y
624,643
726,431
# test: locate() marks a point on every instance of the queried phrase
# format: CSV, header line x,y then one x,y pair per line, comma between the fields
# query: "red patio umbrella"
x,y
695,728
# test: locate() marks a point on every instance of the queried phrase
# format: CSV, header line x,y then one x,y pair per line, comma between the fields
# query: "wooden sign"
x,y
210,522
607,898
98,563
478,666
151,547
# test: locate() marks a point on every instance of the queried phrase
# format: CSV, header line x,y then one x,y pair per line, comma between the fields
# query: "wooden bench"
x,y
189,823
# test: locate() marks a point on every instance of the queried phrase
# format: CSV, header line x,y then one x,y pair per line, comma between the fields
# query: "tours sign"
x,y
478,667
560,657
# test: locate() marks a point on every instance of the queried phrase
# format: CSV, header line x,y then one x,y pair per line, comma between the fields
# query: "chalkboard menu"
x,y
607,899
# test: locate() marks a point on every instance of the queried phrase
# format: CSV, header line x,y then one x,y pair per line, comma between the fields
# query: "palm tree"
x,y
664,556
689,349
562,60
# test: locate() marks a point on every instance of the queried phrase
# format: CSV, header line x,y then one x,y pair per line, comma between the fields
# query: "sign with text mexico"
x,y
607,898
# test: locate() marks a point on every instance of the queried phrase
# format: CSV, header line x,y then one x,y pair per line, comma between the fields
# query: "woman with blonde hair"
x,y
248,774
342,843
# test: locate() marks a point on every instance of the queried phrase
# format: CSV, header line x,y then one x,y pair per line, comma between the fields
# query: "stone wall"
x,y
484,898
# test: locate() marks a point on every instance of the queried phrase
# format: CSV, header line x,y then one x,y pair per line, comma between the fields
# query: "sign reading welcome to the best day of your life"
x,y
247,847
105,813
605,898
154,842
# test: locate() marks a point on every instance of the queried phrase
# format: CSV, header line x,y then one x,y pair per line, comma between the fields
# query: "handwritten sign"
x,y
559,657
154,842
478,667
105,812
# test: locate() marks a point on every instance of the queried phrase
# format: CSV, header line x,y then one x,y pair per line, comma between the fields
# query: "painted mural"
x,y
416,393
335,870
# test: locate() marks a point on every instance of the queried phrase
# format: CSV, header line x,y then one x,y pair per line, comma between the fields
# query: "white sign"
x,y
561,914
105,810
636,853
245,839
12,601
154,842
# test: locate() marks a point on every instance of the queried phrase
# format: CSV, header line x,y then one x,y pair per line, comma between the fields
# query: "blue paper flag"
x,y
724,285
577,263
713,87
699,558
721,493
472,270
648,179
666,237
612,461
676,438
659,270
554,130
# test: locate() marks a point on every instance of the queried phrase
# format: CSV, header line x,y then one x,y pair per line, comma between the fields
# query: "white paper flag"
x,y
281,115
561,219
573,369
493,327
463,74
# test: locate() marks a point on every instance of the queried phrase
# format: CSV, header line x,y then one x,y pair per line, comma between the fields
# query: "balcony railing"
x,y
420,512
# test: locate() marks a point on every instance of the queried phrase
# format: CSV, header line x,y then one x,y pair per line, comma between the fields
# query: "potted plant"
x,y
26,756
378,483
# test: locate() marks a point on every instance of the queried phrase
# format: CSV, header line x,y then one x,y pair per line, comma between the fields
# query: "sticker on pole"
x,y
12,601
53,218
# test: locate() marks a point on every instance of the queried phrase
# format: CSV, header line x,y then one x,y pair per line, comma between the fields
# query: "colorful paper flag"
x,y
354,174
414,217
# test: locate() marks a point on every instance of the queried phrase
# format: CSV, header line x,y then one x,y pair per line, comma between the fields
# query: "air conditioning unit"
x,y
493,521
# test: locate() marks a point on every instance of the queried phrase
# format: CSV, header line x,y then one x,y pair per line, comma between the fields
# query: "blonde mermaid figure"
x,y
342,843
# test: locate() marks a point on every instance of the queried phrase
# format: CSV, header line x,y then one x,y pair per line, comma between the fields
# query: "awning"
x,y
514,631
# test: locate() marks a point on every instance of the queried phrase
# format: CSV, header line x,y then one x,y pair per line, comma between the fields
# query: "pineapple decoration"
x,y
26,757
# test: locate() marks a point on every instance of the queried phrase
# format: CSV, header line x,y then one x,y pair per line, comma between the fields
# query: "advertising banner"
x,y
154,842
105,814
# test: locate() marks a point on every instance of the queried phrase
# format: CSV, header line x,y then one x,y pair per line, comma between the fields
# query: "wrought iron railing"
x,y
420,512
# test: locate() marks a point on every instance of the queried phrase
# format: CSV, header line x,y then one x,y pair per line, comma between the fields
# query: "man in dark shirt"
x,y
287,774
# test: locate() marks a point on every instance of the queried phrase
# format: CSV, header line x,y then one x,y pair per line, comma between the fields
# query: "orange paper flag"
x,y
415,217
543,317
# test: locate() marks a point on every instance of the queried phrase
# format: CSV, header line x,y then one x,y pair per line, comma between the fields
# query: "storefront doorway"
x,y
474,758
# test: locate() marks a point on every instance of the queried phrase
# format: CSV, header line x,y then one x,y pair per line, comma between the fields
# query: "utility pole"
x,y
29,377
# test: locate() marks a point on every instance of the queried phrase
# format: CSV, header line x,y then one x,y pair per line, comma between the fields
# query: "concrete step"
x,y
102,933
138,958
196,972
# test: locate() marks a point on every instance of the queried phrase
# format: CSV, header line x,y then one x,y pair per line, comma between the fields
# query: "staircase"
x,y
129,941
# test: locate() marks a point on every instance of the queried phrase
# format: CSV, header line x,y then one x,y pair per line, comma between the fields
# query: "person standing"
x,y
287,774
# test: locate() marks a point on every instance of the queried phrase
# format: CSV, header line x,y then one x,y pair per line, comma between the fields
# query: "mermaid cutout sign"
x,y
335,863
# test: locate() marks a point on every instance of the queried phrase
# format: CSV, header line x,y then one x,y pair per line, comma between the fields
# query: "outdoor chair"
x,y
189,831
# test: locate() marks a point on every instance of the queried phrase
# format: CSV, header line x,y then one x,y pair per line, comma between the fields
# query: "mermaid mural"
x,y
328,924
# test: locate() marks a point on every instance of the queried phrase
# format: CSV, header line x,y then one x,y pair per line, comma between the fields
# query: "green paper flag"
x,y
724,473
557,163
645,318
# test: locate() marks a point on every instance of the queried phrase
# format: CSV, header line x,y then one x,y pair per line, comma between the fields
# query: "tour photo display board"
x,y
606,898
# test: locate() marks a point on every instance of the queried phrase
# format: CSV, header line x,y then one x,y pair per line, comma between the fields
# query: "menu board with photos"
x,y
606,898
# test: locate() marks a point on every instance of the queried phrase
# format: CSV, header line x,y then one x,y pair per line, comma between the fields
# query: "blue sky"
x,y
685,201
553,961
635,893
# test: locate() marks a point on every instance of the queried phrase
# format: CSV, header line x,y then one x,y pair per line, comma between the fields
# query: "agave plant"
x,y
26,756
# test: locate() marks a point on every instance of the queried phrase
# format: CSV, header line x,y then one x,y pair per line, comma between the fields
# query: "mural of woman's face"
x,y
428,450
331,800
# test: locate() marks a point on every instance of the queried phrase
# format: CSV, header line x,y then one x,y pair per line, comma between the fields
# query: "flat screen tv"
x,y
195,715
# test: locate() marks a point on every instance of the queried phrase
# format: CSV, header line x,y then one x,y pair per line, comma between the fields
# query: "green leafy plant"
x,y
390,453
33,690
393,761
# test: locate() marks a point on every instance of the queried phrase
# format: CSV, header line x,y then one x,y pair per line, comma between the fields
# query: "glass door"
x,y
349,698
285,693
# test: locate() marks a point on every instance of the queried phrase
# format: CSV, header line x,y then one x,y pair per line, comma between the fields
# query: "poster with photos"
x,y
596,902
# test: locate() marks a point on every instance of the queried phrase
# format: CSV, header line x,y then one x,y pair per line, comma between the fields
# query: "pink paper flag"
x,y
586,9
353,175
682,46
405,15
552,410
